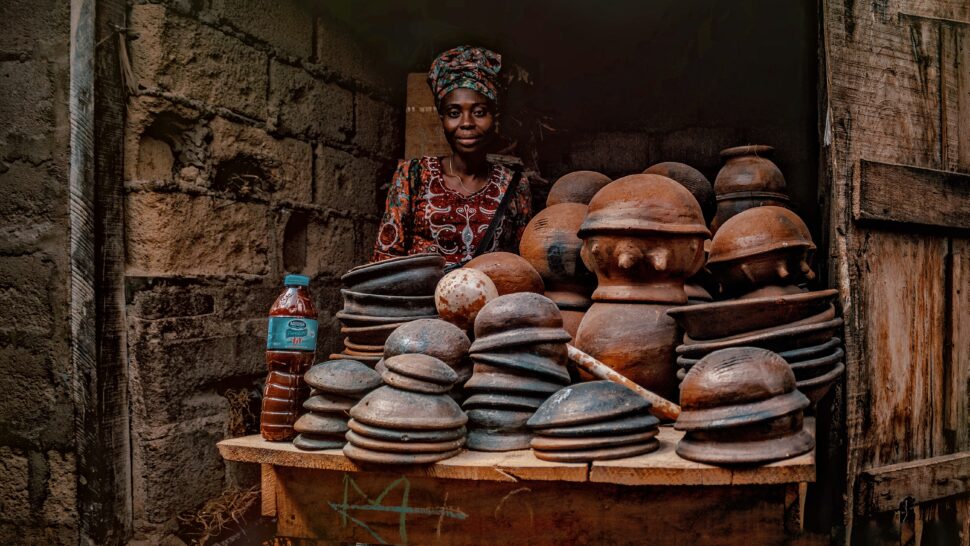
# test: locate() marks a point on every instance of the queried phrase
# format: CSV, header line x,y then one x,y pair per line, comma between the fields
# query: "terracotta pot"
x,y
522,318
635,339
461,294
588,403
329,403
548,368
571,319
317,423
510,272
313,442
551,244
498,380
378,305
692,179
817,387
644,203
748,179
576,187
497,441
405,383
363,348
498,420
415,275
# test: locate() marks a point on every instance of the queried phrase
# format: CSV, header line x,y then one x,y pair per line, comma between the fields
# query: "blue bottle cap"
x,y
296,280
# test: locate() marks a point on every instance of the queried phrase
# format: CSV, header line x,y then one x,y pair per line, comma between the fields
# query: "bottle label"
x,y
292,334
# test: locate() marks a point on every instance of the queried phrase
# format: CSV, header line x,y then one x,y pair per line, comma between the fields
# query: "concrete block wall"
x,y
254,147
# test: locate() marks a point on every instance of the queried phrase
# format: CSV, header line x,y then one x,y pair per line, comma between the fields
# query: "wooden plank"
x,y
267,490
955,91
884,489
957,377
422,126
390,508
912,195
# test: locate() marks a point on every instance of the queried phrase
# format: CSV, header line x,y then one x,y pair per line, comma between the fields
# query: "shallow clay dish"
x,y
423,368
404,436
414,275
320,424
781,340
517,319
727,318
510,272
490,440
329,403
503,382
344,377
602,454
498,419
816,387
547,443
403,447
547,368
587,403
629,424
818,365
403,382
360,454
808,353
308,442
748,453
363,348
826,315
388,407
502,401
382,305
368,354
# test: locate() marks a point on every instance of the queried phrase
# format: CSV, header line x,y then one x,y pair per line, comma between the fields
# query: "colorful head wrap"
x,y
465,66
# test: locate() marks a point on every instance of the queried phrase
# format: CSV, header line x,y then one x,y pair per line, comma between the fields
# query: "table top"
x,y
662,467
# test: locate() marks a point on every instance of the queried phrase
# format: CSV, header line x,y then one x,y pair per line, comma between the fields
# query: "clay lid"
x,y
387,407
627,424
319,424
495,440
390,446
587,403
815,387
810,352
541,366
422,367
600,454
548,443
329,403
507,382
380,305
736,387
404,436
346,377
757,231
516,319
510,272
825,315
748,169
405,383
311,442
576,187
501,400
363,455
414,275
498,419
355,321
433,337
781,340
692,179
645,203
461,294
772,439
551,243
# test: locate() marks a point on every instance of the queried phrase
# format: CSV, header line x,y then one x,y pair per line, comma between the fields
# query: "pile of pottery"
x,y
519,357
594,421
740,406
379,297
411,419
748,179
337,386
642,237
433,337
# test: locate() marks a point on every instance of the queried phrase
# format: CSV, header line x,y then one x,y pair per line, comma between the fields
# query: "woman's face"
x,y
468,120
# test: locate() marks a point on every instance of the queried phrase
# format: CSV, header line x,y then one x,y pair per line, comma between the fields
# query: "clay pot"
x,y
576,187
551,244
387,407
322,402
817,387
587,403
503,400
571,320
312,442
461,294
510,272
517,319
635,339
498,380
784,339
747,180
378,305
692,179
415,275
773,292
342,377
728,318
320,424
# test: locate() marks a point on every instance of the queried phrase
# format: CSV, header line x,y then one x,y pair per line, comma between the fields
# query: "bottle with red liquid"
x,y
290,347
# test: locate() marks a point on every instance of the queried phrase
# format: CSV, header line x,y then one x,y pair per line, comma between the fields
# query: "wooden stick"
x,y
660,406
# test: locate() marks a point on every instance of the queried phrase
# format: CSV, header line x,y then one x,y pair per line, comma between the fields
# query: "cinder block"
x,y
377,126
170,301
282,167
33,211
177,234
27,109
283,24
309,107
31,406
185,57
60,505
14,497
37,28
26,283
339,50
160,135
344,181
331,247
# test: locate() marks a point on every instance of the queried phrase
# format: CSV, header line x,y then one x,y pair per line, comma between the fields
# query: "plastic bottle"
x,y
290,347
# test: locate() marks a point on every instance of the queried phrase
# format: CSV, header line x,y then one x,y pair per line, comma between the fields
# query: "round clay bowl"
x,y
824,316
635,339
816,387
422,367
309,442
342,377
405,383
362,455
387,407
778,340
544,443
587,403
690,178
404,436
808,353
644,203
515,319
319,424
356,321
379,305
329,403
461,294
498,419
510,272
758,231
601,454
576,187
817,366
628,424
542,367
403,447
487,440
415,275
370,335
771,439
432,337
728,318
502,401
368,360
367,349
504,382
551,245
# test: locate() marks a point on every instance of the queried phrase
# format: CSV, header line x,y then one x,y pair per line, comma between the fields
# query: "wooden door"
x,y
896,148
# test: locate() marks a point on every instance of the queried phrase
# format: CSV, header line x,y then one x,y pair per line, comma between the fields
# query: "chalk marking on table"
x,y
528,505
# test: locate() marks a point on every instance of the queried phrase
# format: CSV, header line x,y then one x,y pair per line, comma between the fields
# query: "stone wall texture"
x,y
254,147
38,472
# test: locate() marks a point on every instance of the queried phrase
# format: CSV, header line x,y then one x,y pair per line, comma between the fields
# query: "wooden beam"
x,y
267,490
885,488
912,195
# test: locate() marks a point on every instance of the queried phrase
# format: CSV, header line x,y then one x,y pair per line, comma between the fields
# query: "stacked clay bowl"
x,y
432,337
594,421
801,328
740,406
747,180
337,386
576,187
519,357
379,297
411,419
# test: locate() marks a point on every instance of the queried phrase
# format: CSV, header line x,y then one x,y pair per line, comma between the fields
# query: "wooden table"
x,y
514,498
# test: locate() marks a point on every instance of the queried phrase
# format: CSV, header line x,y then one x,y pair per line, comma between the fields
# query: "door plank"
x,y
911,195
957,425
955,67
885,488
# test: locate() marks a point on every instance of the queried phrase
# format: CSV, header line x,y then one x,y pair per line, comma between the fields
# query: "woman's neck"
x,y
469,165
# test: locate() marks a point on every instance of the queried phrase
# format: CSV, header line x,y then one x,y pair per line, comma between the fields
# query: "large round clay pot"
x,y
461,294
692,179
576,187
510,272
551,244
635,339
748,179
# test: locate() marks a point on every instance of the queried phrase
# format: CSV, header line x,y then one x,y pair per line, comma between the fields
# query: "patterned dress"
x,y
423,215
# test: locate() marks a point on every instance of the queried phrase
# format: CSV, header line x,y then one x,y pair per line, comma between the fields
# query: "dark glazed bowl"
x,y
415,275
380,305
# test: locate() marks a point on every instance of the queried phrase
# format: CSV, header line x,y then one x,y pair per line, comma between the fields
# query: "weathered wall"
x,y
255,147
37,450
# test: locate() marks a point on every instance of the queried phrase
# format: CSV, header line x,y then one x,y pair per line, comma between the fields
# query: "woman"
x,y
446,205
